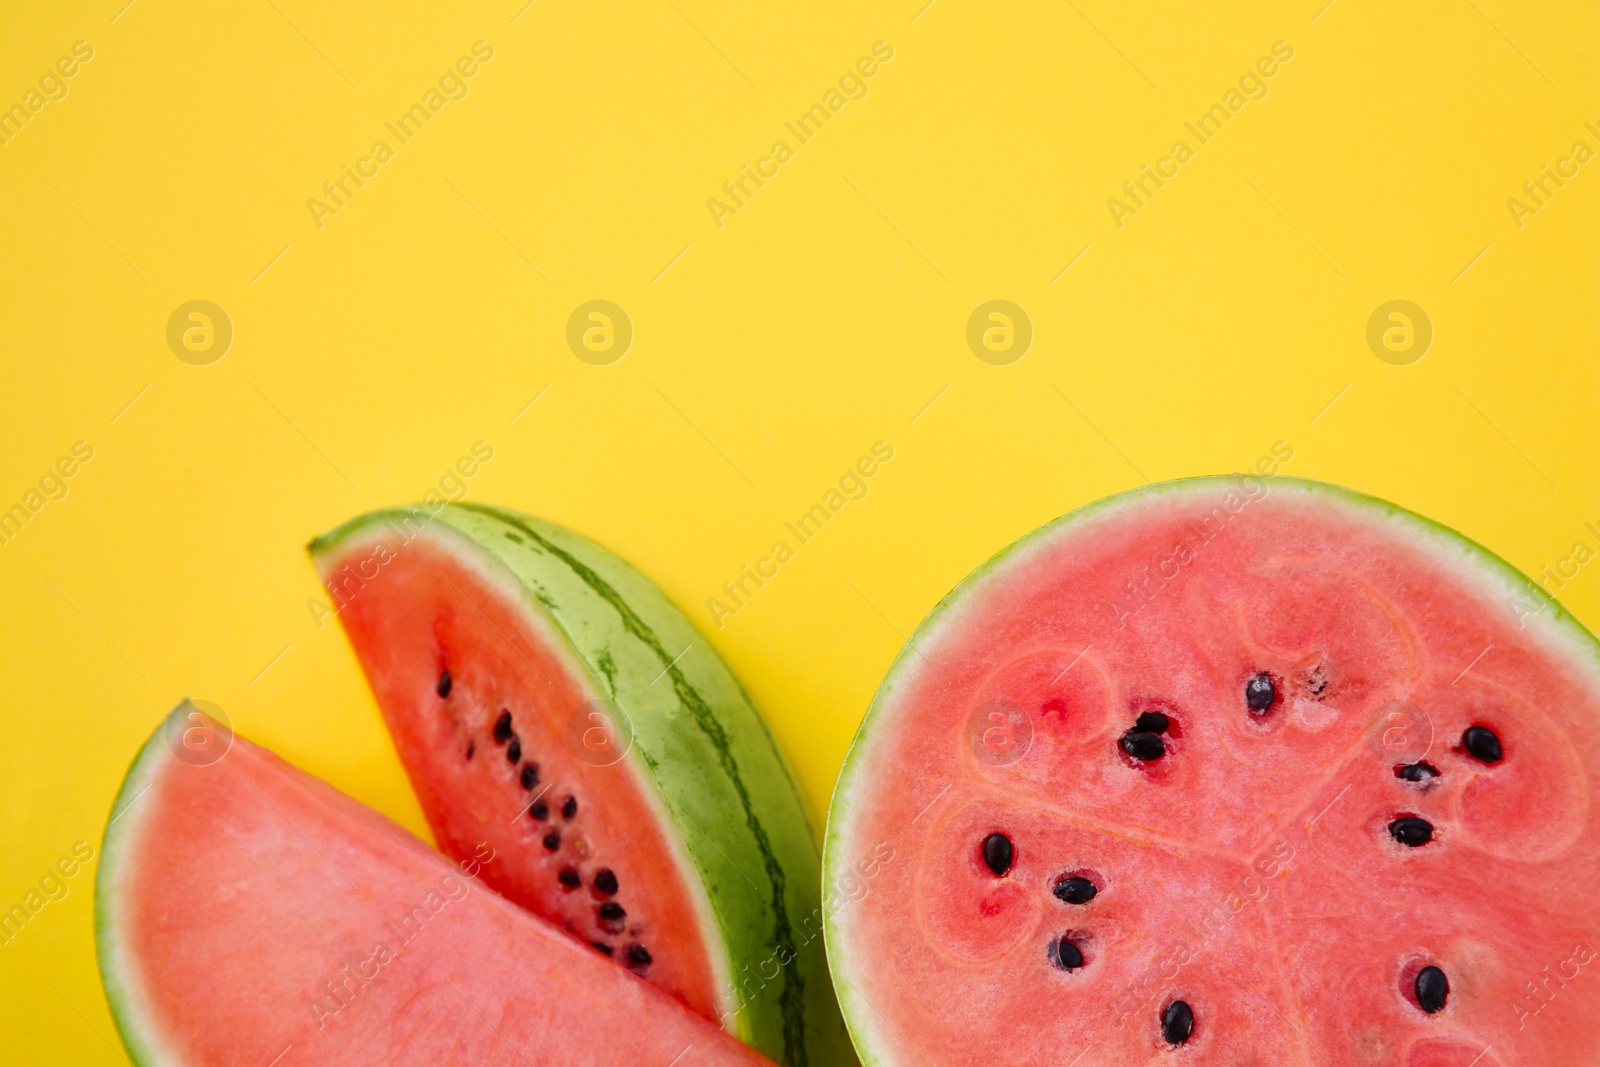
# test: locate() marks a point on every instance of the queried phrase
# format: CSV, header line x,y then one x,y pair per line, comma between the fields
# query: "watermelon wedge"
x,y
249,914
550,704
1227,771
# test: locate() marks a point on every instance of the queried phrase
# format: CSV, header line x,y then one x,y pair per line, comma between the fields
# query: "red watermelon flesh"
x,y
551,703
1343,875
479,704
249,914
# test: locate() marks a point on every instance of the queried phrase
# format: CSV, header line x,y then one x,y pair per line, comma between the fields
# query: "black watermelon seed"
x,y
1432,989
1411,831
472,746
602,946
1177,1022
1074,890
530,775
1151,722
569,807
638,956
1482,744
444,683
569,878
605,881
1065,955
1260,693
1416,772
514,750
552,840
612,916
539,810
1142,745
998,853
502,727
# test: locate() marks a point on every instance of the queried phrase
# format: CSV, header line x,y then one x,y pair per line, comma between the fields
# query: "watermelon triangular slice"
x,y
550,703
1231,771
249,914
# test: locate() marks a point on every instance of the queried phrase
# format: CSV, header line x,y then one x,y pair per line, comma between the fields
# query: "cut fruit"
x,y
248,914
1285,774
550,704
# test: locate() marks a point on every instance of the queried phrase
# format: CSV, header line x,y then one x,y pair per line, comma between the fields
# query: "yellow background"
x,y
824,316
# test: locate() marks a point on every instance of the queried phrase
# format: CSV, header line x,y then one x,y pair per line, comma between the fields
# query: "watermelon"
x,y
549,703
1232,771
249,914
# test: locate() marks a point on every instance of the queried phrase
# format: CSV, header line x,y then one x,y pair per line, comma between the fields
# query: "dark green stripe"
x,y
792,999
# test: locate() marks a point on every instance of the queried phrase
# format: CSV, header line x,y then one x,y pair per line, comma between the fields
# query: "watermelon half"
x,y
1227,771
250,915
550,704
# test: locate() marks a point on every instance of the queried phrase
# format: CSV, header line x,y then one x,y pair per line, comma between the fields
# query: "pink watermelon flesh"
x,y
249,914
480,705
1249,875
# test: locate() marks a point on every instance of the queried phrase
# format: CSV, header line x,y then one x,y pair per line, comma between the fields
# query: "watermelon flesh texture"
x,y
1250,871
249,914
475,647
491,640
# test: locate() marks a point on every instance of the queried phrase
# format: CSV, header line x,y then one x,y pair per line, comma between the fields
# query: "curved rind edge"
x,y
474,553
143,1047
803,1010
1554,621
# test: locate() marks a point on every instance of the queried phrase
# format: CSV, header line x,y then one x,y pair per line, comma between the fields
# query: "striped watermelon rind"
x,y
729,801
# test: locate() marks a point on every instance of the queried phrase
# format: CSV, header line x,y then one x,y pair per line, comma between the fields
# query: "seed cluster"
x,y
1146,742
610,915
1431,987
1066,951
1478,742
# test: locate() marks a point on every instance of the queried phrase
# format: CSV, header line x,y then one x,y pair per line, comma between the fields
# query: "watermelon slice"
x,y
550,704
249,914
1231,771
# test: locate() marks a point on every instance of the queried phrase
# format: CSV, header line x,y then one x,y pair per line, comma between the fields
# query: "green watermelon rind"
x,y
1499,579
728,799
120,984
